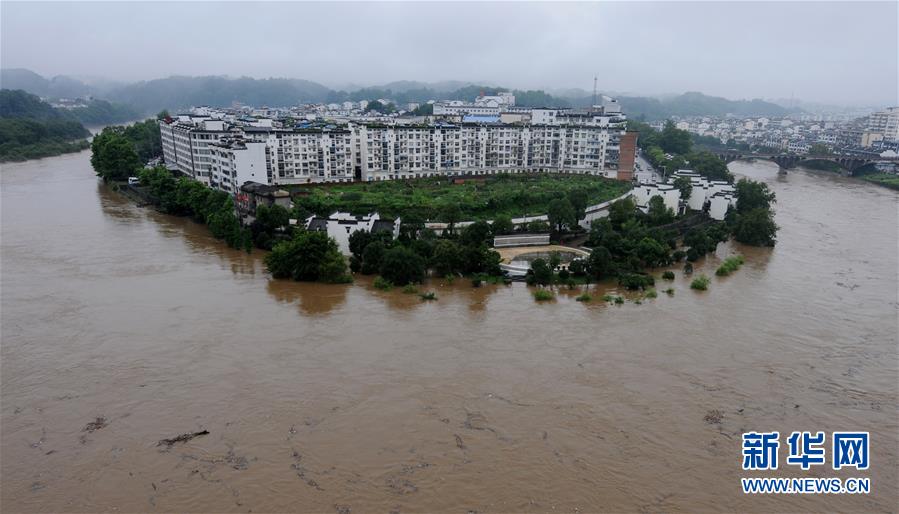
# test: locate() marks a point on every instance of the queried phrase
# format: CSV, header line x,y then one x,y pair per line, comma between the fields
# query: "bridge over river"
x,y
849,163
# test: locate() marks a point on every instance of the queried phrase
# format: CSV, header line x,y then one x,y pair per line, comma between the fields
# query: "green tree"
x,y
372,257
538,227
652,253
309,256
358,240
756,228
502,224
710,166
113,156
450,214
685,186
541,272
658,213
476,234
402,266
673,140
621,211
579,200
561,214
752,195
599,264
447,258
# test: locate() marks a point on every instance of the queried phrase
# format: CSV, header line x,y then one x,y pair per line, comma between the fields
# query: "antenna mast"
x,y
594,89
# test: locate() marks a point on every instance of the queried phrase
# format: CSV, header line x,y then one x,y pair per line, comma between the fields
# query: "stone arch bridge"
x,y
849,163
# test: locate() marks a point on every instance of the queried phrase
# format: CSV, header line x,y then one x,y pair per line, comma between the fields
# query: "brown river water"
x,y
338,399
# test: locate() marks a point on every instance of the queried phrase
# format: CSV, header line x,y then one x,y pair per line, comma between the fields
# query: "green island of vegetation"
x,y
31,128
625,246
480,198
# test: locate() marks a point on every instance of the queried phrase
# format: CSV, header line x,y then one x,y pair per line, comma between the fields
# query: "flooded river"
x,y
339,399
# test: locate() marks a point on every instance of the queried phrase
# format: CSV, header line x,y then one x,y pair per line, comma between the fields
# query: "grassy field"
x,y
884,179
512,195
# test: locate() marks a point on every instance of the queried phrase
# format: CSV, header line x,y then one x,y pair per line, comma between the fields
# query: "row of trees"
x,y
671,149
313,256
120,152
186,197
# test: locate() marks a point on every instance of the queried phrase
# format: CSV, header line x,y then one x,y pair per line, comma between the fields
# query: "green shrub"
x,y
651,293
608,298
619,300
564,275
430,295
578,267
634,281
584,297
543,295
638,301
410,289
670,291
668,275
383,284
729,265
476,281
700,283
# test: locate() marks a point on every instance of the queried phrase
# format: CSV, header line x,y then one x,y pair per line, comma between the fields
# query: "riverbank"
x,y
887,180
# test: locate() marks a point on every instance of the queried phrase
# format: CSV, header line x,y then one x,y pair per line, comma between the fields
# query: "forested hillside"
x,y
30,128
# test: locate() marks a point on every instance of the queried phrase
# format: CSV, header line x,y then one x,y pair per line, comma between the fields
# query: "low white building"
x,y
341,225
643,193
716,195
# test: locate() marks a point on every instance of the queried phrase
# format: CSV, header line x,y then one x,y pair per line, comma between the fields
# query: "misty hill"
x,y
180,92
696,104
58,87
31,128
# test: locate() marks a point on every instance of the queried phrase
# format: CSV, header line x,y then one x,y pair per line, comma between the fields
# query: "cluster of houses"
x,y
711,196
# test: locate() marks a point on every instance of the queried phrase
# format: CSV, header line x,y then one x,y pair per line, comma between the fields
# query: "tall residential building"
x,y
885,122
225,155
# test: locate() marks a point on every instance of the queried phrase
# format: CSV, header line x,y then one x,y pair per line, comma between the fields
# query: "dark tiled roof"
x,y
380,225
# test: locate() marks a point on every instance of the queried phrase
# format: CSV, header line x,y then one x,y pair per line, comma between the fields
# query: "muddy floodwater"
x,y
122,327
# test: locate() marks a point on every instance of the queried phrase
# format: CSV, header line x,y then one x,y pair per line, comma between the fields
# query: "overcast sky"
x,y
817,51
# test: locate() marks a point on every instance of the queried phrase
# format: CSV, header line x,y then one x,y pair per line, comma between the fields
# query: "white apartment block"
x,y
186,145
885,122
224,155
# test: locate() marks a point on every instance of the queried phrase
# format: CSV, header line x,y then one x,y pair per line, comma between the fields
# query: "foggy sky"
x,y
816,51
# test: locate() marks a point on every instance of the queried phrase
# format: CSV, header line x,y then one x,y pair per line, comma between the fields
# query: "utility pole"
x,y
594,89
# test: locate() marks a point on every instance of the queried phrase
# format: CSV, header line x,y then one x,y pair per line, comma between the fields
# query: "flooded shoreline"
x,y
343,398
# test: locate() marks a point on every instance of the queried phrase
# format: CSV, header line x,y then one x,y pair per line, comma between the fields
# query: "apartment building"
x,y
186,144
886,123
224,155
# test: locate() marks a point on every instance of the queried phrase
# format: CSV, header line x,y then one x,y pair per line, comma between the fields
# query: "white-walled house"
x,y
341,225
705,190
643,193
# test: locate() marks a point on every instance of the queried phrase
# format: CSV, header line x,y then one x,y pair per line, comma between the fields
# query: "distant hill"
x,y
101,112
697,104
58,87
181,92
31,128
